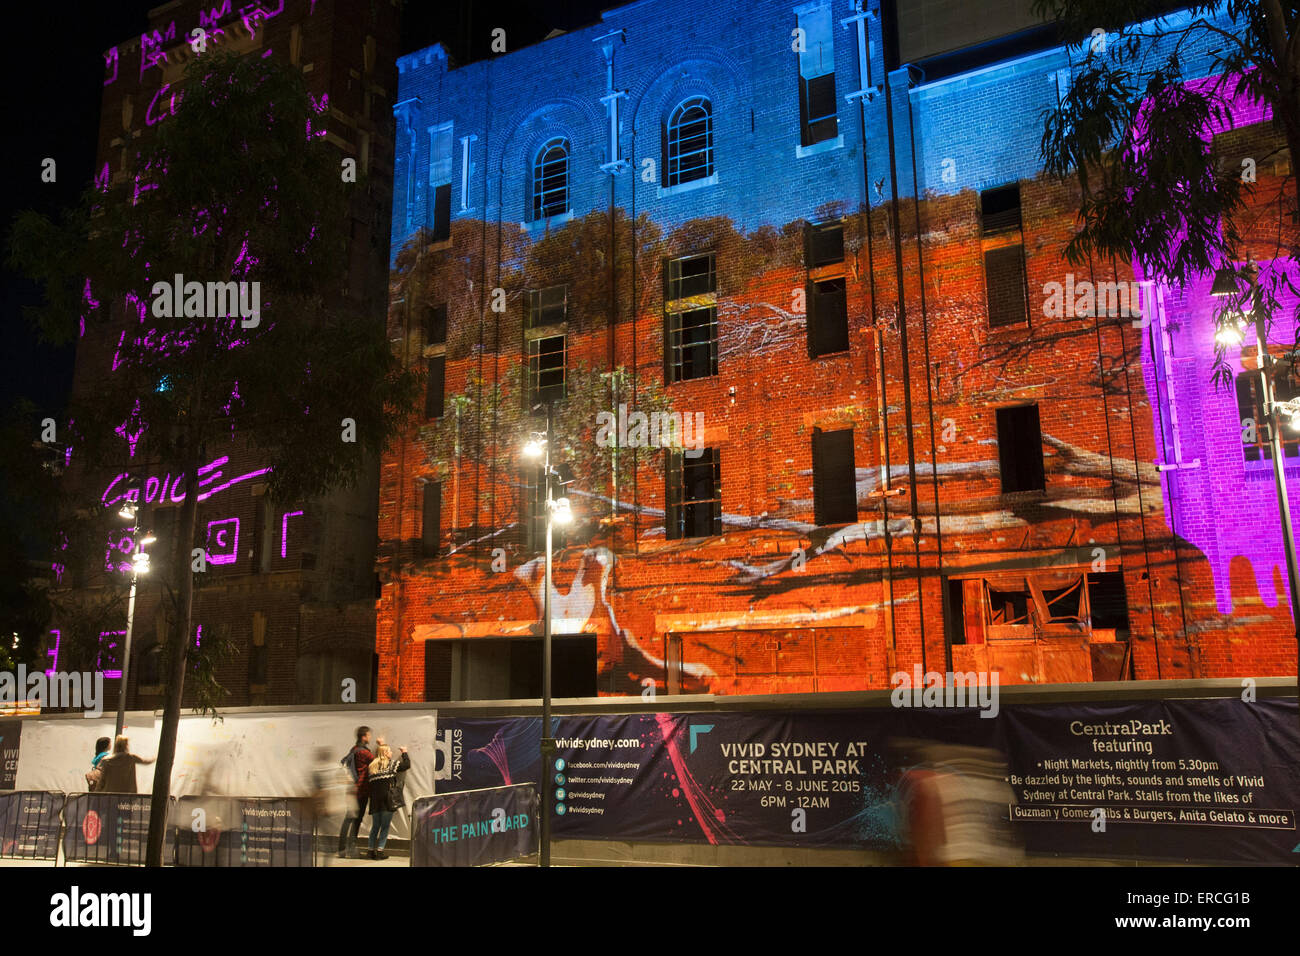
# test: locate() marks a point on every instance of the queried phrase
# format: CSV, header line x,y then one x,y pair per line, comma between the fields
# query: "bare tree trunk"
x,y
180,636
179,641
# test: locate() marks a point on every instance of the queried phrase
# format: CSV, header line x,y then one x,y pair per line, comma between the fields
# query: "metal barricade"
x,y
106,828
243,831
30,821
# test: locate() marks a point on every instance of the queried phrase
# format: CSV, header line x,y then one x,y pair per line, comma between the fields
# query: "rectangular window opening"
x,y
1020,449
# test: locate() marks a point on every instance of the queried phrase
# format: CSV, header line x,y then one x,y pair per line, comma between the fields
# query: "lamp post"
x,y
557,511
1225,284
139,565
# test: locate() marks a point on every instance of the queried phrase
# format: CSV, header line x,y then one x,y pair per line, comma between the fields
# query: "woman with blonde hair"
x,y
385,795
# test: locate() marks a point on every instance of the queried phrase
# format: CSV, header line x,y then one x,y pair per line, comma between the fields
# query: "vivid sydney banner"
x,y
1200,780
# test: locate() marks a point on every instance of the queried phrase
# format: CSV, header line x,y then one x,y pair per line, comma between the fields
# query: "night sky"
x,y
54,68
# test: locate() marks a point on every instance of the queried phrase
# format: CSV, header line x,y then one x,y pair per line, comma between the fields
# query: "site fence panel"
x,y
29,824
243,831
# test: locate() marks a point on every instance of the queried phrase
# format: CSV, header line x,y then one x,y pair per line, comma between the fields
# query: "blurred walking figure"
x,y
117,771
385,796
329,788
94,775
955,804
357,763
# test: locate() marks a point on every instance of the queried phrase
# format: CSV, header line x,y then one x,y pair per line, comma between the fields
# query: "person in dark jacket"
x,y
385,796
118,770
357,763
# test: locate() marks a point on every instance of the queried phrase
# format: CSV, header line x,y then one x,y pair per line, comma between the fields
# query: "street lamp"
x,y
1226,285
139,565
559,512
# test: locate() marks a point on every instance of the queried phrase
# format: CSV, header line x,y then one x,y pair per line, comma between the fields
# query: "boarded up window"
x,y
1004,279
434,323
441,213
434,386
835,495
437,670
823,244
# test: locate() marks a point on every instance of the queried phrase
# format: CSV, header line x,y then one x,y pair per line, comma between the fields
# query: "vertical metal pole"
x,y
1279,468
130,625
548,743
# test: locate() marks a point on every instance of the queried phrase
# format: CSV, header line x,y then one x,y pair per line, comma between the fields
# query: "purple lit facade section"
x,y
1223,504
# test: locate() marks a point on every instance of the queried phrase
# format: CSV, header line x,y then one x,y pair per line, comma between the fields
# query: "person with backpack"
x,y
94,775
357,763
385,795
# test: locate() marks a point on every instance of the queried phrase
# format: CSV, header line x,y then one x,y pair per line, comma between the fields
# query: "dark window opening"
x,y
431,520
548,306
689,142
694,495
434,386
835,493
437,670
551,180
690,276
692,344
258,655
441,213
823,244
1250,411
818,120
828,318
1008,607
1109,602
546,369
1020,449
1004,277
434,325
1000,209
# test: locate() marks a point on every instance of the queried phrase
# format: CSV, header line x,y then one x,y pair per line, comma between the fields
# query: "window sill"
x,y
825,146
541,226
664,191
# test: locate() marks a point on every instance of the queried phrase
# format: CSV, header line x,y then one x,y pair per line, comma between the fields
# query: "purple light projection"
x,y
1214,498
284,532
224,534
113,649
156,487
53,652
111,62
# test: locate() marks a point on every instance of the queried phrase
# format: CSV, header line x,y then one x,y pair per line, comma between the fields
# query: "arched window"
x,y
551,179
690,142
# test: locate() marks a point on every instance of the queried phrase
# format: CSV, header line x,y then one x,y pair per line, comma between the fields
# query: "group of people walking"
x,y
376,782
376,786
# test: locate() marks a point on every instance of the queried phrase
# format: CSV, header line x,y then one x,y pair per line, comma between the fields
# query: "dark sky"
x,y
54,72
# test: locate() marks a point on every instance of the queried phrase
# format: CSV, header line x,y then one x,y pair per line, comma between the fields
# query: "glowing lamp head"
x,y
127,512
1229,336
147,539
535,448
561,513
140,562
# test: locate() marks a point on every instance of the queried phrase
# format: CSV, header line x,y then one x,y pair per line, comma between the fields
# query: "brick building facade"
x,y
290,584
843,264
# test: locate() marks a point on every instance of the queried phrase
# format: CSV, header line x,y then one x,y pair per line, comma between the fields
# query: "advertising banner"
x,y
29,824
1203,780
10,734
475,827
106,828
243,831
